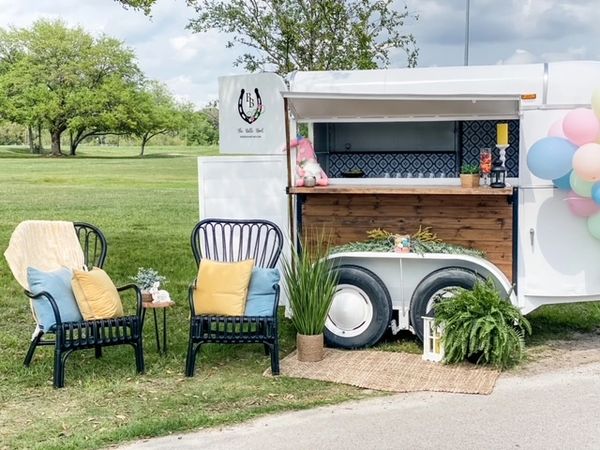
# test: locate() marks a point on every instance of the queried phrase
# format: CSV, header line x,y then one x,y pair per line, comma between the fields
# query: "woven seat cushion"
x,y
57,283
96,295
222,288
261,293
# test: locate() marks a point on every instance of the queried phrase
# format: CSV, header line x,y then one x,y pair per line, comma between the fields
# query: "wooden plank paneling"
x,y
475,221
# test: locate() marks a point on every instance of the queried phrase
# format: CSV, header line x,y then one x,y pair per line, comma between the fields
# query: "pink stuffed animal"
x,y
306,163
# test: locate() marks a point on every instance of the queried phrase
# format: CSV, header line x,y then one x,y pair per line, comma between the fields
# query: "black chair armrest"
x,y
52,304
191,290
138,294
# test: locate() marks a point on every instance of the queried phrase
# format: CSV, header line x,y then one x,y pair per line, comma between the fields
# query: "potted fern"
x,y
469,175
310,285
482,326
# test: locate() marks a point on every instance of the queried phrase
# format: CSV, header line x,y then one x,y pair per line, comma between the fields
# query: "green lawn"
x,y
146,208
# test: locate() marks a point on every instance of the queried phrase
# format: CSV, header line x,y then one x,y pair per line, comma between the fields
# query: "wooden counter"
x,y
399,189
480,218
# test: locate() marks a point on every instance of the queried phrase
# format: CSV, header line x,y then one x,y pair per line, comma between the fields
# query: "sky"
x,y
501,32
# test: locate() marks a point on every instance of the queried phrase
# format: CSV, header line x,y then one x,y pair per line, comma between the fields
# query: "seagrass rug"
x,y
391,371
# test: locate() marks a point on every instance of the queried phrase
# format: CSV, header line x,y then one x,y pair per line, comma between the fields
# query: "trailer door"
x,y
557,256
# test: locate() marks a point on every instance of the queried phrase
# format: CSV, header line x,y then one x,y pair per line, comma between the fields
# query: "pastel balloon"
x,y
563,183
580,186
581,126
593,225
581,206
551,157
586,162
556,129
596,192
596,102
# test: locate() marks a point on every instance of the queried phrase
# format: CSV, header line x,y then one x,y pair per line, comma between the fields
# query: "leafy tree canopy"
x,y
156,112
141,5
55,76
287,35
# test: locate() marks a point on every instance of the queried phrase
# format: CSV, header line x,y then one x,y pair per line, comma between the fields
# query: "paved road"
x,y
559,410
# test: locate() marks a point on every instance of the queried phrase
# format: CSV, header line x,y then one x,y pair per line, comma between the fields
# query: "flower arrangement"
x,y
146,278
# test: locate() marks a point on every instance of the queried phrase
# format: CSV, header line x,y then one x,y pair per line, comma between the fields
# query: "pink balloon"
x,y
581,126
556,129
586,162
581,206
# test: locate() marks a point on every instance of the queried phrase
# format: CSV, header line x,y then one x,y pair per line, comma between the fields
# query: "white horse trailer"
x,y
394,123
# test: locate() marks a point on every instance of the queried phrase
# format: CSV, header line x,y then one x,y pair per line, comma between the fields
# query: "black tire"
x,y
377,294
433,283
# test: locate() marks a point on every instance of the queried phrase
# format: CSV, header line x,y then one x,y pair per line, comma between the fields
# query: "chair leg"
x,y
60,359
267,349
98,352
139,357
190,362
275,358
32,346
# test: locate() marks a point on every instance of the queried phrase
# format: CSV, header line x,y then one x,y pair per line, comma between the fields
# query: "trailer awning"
x,y
339,107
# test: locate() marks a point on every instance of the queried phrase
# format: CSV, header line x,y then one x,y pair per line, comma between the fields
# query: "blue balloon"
x,y
564,182
551,157
596,192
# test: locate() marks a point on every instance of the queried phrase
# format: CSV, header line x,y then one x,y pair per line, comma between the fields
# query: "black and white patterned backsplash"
x,y
475,136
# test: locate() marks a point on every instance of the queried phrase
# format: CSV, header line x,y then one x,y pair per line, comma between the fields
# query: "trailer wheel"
x,y
361,310
434,288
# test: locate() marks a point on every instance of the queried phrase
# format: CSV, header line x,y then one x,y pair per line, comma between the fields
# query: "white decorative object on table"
x,y
433,349
159,295
146,279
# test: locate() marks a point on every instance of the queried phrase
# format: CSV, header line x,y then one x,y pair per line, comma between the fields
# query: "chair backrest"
x,y
230,240
92,243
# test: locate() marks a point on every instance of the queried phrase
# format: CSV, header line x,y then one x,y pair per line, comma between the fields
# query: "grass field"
x,y
146,208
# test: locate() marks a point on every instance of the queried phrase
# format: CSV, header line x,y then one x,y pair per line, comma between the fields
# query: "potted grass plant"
x,y
469,176
482,326
310,285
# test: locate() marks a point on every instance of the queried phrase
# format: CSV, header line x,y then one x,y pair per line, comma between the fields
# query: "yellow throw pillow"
x,y
96,295
222,288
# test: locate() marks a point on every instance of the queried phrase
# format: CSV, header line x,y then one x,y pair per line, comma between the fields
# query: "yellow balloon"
x,y
596,102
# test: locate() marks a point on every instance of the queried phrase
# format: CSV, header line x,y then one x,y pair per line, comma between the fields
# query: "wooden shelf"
x,y
400,190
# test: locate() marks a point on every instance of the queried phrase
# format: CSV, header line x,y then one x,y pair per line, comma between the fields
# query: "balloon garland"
x,y
570,156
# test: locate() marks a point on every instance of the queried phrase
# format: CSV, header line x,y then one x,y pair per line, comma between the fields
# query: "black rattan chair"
x,y
230,241
88,334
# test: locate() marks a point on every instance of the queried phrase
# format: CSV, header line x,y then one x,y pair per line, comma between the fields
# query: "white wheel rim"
x,y
439,296
351,311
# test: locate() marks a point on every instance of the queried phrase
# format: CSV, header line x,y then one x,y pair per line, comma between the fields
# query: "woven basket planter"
x,y
146,297
310,347
469,180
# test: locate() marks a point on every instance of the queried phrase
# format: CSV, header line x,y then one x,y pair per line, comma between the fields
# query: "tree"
x,y
200,129
141,5
156,112
55,75
287,35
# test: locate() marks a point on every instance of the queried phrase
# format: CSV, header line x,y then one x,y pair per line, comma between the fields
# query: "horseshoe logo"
x,y
246,97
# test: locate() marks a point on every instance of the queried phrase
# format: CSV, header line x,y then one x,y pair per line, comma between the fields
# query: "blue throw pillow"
x,y
58,284
261,294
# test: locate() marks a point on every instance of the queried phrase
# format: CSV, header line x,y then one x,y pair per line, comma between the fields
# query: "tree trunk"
x,y
72,147
75,141
39,136
55,134
30,135
145,140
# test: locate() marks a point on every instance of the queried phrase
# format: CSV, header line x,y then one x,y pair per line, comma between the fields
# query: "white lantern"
x,y
433,350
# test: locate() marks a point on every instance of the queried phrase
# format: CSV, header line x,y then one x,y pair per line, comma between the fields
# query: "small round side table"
x,y
162,349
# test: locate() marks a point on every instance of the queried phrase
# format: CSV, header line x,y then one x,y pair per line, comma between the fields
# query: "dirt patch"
x,y
557,355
